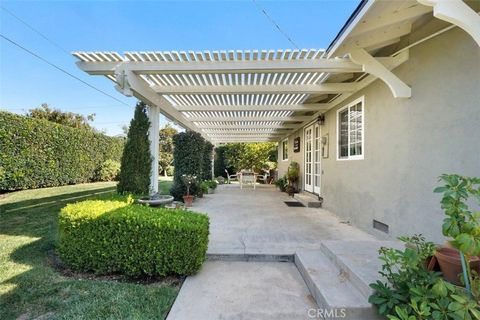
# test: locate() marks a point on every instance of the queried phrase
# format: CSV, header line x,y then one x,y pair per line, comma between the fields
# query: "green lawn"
x,y
30,287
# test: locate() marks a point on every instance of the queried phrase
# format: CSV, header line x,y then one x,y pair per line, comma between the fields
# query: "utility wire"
x,y
60,69
35,30
275,24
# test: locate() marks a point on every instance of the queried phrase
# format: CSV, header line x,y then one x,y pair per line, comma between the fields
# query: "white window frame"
x,y
283,156
348,106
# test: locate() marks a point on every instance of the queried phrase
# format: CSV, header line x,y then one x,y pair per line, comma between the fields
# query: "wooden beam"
x,y
284,126
370,65
458,13
390,18
336,65
280,107
399,59
134,85
257,89
262,118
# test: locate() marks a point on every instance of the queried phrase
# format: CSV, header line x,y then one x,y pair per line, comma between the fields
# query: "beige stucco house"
x,y
374,158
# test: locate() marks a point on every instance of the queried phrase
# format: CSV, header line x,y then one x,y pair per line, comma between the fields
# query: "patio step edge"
x,y
331,288
357,259
260,257
308,200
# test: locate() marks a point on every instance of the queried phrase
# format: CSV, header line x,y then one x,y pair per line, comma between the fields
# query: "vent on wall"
x,y
380,226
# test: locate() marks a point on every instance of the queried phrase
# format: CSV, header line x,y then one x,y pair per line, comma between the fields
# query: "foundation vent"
x,y
380,226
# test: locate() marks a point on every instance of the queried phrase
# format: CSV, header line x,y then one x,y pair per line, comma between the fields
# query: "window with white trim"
x,y
350,130
285,149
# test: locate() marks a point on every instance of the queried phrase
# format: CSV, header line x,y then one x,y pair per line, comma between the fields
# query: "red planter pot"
x,y
188,200
451,265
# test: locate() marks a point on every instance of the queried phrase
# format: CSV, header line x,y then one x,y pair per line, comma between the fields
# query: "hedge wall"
x,y
188,157
116,237
207,161
37,153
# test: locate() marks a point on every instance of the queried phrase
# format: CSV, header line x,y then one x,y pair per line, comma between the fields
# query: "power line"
x,y
275,24
35,30
60,69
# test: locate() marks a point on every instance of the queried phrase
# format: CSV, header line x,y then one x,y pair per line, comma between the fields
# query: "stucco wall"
x,y
410,142
292,156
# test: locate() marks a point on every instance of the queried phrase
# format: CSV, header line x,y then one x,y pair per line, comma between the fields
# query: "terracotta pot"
x,y
451,266
188,200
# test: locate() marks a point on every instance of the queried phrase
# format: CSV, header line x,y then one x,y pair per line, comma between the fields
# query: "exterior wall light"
x,y
321,119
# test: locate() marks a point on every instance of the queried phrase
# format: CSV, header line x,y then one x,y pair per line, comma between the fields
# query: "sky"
x,y
60,27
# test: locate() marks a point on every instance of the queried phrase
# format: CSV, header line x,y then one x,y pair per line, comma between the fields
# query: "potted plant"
x,y
212,185
462,226
188,180
202,189
282,183
293,175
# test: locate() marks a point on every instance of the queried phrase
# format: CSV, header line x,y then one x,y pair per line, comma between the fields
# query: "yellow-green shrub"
x,y
116,237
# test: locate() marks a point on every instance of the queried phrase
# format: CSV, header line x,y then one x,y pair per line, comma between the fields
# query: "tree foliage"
x,y
136,160
256,156
207,161
165,157
188,157
70,119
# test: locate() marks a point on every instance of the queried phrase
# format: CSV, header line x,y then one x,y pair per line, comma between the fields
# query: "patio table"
x,y
247,178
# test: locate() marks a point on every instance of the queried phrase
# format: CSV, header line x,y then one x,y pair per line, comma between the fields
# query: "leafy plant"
x,y
207,161
136,164
220,180
409,291
108,171
202,188
282,183
212,184
188,180
116,237
70,119
293,175
461,223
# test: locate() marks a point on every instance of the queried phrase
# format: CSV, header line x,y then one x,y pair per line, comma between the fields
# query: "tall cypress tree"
x,y
136,160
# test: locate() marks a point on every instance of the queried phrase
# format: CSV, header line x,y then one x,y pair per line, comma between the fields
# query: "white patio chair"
x,y
231,177
264,177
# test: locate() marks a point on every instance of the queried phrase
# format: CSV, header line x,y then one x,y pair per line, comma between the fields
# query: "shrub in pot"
x,y
188,180
202,189
282,183
462,226
293,175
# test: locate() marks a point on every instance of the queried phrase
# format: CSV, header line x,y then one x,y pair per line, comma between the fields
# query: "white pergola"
x,y
263,95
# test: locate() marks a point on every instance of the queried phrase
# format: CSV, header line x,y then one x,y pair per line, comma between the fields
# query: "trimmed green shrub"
x,y
207,161
108,171
116,237
136,162
37,153
188,158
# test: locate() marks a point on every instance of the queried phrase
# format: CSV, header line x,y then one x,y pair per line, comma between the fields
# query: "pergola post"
x,y
153,134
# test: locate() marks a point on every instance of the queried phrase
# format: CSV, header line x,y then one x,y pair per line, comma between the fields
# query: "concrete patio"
x,y
271,261
247,221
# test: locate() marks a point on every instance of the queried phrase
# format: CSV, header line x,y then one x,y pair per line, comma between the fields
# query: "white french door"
x,y
313,170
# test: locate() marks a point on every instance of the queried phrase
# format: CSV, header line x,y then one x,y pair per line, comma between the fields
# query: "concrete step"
x,y
308,199
250,257
358,260
331,288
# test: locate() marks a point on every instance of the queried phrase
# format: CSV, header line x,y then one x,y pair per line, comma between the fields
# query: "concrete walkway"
x,y
244,290
258,221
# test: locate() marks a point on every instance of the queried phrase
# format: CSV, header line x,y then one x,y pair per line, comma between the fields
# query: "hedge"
x,y
115,237
188,157
38,153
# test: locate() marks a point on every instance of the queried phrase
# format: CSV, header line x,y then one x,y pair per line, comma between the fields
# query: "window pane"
x,y
343,133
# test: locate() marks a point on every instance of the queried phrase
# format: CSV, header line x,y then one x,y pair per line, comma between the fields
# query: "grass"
x,y
30,287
